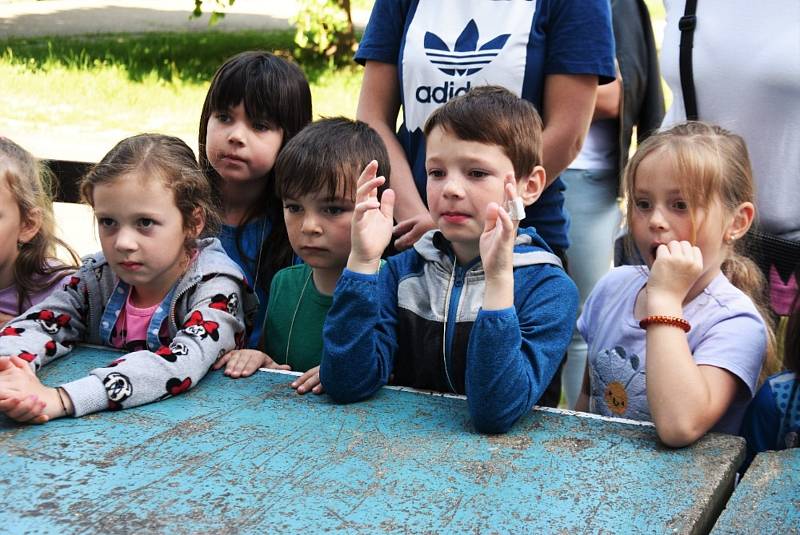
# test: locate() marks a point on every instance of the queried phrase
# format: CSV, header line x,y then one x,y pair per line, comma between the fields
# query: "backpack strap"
x,y
687,25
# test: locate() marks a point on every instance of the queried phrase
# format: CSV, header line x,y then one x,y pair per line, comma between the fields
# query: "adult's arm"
x,y
567,113
378,106
608,100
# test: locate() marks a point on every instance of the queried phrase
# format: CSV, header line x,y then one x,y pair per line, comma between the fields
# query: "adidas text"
x,y
441,94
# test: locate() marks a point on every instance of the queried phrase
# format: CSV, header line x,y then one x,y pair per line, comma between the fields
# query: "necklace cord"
x,y
294,316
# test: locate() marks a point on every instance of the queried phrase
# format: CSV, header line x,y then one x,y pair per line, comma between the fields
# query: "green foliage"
x,y
324,28
217,15
324,31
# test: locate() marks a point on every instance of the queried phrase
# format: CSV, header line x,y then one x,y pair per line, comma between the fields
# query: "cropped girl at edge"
x,y
29,269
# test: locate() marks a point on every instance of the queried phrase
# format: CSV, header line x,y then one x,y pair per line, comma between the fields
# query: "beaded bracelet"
x,y
666,320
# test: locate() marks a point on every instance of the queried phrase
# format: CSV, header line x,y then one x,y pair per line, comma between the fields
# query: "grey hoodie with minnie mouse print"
x,y
210,309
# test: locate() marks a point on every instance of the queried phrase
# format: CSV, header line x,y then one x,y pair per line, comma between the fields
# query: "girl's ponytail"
x,y
743,273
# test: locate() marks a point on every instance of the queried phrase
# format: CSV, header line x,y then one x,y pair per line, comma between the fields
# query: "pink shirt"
x,y
130,331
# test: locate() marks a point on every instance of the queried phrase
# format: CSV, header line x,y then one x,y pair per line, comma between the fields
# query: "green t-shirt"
x,y
295,315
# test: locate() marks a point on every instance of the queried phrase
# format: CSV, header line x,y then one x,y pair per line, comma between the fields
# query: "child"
x,y
172,301
315,177
476,307
29,270
772,421
680,342
256,103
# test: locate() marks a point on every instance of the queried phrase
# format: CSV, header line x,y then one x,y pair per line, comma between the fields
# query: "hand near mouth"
x,y
676,268
497,252
373,221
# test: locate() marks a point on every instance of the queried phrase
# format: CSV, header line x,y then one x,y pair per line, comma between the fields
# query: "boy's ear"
x,y
198,222
742,219
30,225
530,187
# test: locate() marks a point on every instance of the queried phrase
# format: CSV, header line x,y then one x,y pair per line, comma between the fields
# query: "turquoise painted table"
x,y
251,456
767,500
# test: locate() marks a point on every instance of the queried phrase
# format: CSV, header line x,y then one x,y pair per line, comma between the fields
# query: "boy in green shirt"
x,y
315,178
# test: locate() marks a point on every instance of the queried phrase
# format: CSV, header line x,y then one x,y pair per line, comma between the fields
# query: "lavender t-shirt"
x,y
727,332
9,297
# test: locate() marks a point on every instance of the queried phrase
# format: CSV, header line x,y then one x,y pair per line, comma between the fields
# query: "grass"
x,y
147,82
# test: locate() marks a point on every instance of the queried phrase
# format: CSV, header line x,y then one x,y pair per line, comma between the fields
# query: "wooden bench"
x,y
68,175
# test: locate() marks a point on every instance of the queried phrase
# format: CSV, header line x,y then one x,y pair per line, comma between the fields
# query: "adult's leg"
x,y
591,199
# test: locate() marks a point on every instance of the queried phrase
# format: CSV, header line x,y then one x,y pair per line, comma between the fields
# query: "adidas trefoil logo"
x,y
465,58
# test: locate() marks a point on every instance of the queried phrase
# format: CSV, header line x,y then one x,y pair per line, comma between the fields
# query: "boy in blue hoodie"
x,y
477,307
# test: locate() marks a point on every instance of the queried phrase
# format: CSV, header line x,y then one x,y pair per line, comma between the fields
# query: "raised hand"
x,y
497,252
675,270
373,221
499,233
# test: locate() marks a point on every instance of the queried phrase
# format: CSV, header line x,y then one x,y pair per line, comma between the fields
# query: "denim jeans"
x,y
591,200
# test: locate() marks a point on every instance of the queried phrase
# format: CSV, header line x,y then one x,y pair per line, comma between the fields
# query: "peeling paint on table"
x,y
251,456
767,500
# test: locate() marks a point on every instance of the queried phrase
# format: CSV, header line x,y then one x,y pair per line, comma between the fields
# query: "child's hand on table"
x,y
23,397
245,362
308,382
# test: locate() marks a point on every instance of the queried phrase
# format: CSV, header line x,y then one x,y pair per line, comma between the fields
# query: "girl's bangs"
x,y
237,86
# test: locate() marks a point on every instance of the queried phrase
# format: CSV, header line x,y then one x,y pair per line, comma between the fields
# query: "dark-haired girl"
x,y
256,103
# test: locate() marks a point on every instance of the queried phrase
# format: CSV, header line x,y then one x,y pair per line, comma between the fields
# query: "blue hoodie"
x,y
419,323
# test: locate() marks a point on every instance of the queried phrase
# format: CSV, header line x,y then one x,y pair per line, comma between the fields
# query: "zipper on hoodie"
x,y
452,298
176,298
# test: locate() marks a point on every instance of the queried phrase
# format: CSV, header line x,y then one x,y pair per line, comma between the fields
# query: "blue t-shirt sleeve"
x,y
760,424
580,39
384,32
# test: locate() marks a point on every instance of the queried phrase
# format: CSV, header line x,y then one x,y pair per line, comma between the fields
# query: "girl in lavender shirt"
x,y
680,341
29,271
